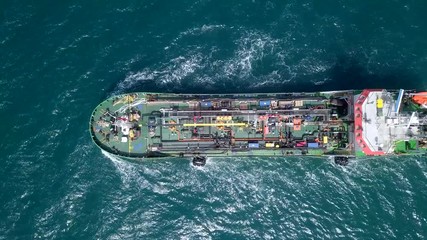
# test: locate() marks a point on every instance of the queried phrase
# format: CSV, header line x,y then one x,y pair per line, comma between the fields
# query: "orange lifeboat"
x,y
420,98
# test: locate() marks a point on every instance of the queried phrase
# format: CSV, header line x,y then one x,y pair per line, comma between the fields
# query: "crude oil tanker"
x,y
342,124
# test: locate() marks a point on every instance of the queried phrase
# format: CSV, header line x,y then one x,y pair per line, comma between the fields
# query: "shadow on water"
x,y
346,73
350,74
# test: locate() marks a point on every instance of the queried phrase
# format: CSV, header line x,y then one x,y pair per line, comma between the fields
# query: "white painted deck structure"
x,y
382,126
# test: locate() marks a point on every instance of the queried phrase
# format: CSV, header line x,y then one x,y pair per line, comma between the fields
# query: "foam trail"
x,y
128,172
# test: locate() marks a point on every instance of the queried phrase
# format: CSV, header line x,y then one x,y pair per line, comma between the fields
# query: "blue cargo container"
x,y
313,145
264,103
206,104
253,145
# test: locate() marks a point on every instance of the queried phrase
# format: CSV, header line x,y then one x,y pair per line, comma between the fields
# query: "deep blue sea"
x,y
59,59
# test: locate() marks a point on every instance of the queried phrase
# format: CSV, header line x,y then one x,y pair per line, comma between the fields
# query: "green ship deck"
x,y
368,122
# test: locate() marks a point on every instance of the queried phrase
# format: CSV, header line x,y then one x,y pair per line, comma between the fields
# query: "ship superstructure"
x,y
339,123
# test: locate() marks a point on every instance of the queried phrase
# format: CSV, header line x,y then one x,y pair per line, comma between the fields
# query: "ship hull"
x,y
336,123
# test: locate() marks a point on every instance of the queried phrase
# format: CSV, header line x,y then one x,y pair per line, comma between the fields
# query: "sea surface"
x,y
59,59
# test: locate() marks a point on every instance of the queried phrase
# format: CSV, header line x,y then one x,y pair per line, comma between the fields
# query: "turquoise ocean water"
x,y
59,59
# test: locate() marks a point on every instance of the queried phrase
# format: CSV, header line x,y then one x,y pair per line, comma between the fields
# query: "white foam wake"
x,y
129,173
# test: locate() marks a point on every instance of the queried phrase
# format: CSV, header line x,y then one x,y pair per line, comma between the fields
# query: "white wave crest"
x,y
172,72
251,48
129,173
200,30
